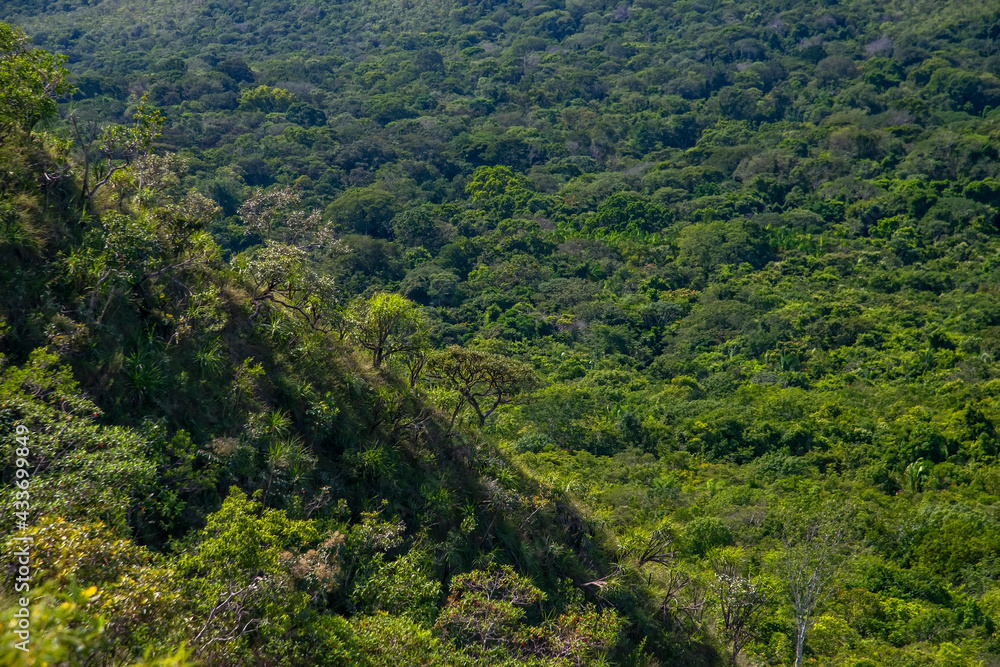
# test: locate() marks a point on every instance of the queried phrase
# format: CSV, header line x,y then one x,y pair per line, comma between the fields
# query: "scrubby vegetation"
x,y
542,333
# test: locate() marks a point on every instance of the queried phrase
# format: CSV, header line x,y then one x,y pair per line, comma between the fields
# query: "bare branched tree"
x,y
231,618
683,605
743,600
815,551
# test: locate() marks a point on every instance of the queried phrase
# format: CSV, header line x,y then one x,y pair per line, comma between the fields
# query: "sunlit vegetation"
x,y
545,333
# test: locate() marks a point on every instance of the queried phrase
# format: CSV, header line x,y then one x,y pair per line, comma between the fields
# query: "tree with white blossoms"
x,y
278,271
743,599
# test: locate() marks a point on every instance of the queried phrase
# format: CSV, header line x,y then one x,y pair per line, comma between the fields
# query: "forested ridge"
x,y
501,333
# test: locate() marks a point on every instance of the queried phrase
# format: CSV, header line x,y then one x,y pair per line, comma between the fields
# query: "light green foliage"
x,y
388,641
83,469
386,325
704,534
30,79
401,587
134,256
266,99
234,574
61,630
486,606
498,190
65,629
134,591
242,541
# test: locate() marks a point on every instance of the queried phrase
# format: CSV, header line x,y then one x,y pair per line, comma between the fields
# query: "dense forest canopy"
x,y
501,333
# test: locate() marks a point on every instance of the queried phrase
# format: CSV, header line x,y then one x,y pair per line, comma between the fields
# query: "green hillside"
x,y
543,333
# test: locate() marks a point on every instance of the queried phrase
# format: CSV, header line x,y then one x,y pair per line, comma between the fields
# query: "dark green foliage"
x,y
363,211
625,212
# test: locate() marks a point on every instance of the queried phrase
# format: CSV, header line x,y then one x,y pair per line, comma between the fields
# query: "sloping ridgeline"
x,y
726,271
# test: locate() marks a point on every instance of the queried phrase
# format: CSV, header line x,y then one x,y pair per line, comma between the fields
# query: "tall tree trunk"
x,y
800,641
